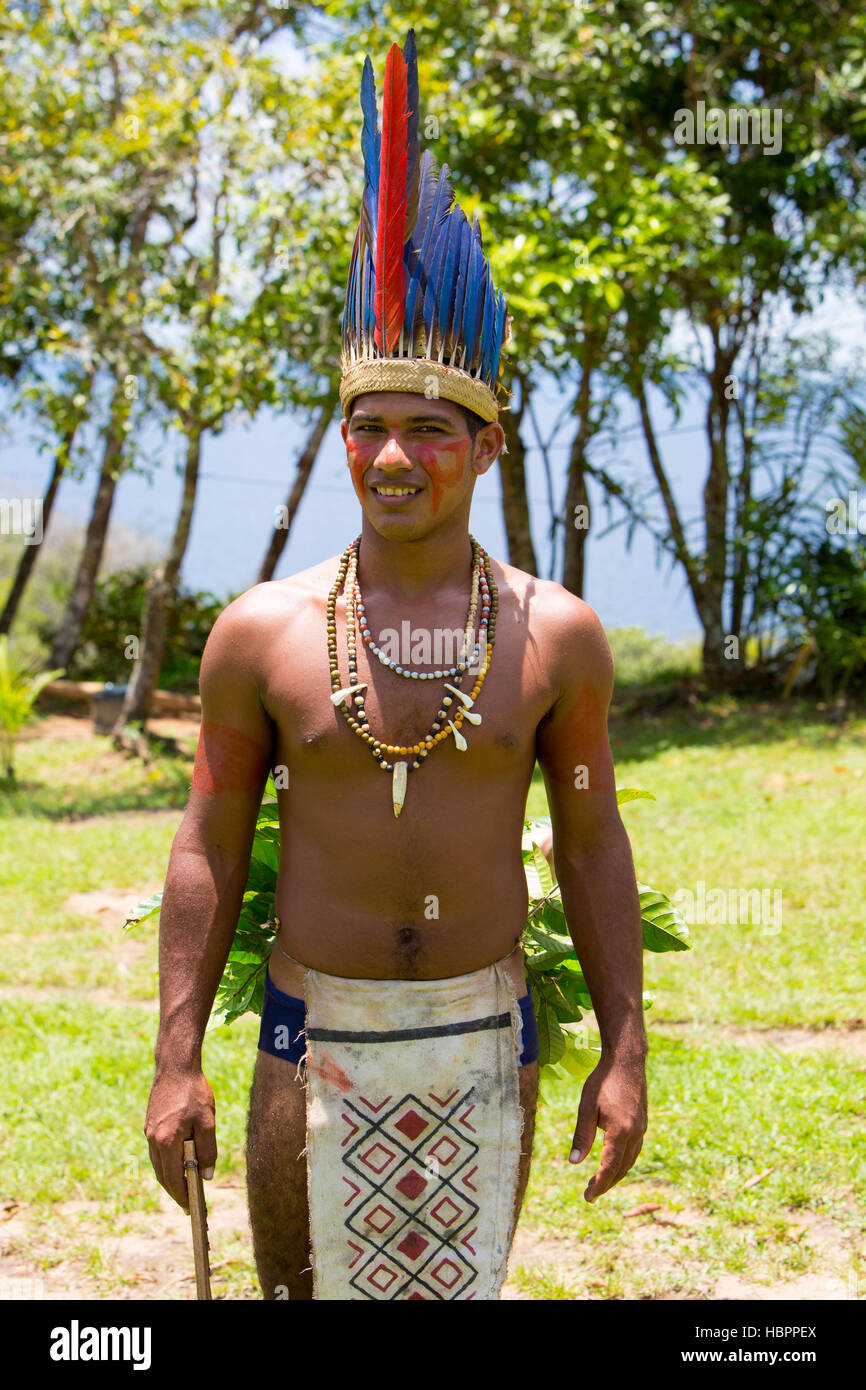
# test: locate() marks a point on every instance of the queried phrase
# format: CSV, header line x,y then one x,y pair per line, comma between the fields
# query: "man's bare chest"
x,y
513,699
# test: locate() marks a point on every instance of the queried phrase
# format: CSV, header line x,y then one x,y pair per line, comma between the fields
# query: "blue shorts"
x,y
283,1019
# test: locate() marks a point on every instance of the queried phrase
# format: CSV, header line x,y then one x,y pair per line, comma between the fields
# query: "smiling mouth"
x,y
386,490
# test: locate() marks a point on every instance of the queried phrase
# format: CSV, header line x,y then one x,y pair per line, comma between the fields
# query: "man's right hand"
x,y
181,1107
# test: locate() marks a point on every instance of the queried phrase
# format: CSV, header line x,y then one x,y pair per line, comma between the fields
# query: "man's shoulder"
x,y
565,631
549,604
265,615
278,599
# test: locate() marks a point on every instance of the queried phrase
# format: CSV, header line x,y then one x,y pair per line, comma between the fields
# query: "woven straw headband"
x,y
419,376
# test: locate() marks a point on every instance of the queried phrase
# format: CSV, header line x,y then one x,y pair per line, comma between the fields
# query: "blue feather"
x,y
487,327
351,287
497,339
424,270
438,251
463,288
475,286
448,277
413,154
370,146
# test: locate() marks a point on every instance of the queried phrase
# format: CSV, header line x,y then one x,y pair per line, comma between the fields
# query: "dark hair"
x,y
474,422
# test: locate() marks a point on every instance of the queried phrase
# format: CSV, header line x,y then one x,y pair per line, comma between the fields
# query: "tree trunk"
x,y
68,635
720,663
302,477
576,496
515,506
28,559
161,585
707,602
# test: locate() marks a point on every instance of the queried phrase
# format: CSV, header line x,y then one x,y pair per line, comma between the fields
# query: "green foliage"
x,y
114,615
824,607
559,991
19,689
643,658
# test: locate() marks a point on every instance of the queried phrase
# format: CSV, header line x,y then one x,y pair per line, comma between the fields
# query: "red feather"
x,y
389,306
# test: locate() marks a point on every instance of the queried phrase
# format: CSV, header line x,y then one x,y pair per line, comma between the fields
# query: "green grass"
x,y
745,797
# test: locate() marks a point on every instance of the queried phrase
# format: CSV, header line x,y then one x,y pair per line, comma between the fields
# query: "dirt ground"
x,y
151,1256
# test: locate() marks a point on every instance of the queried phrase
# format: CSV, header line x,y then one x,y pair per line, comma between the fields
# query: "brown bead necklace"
x,y
399,759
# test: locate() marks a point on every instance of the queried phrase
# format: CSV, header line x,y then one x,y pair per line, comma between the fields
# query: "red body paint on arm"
x,y
228,761
577,738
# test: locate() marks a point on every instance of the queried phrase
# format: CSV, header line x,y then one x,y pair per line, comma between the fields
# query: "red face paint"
x,y
445,462
228,761
360,452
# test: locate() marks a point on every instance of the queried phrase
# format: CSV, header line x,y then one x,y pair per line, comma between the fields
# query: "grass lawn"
x,y
752,1169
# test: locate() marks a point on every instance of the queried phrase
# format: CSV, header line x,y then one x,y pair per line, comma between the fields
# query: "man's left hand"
x,y
613,1099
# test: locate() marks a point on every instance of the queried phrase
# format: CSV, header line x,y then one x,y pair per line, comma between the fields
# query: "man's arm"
x,y
203,891
594,868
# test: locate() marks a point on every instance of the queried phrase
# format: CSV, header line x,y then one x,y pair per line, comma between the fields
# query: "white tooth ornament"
x,y
473,718
459,740
468,702
340,695
398,787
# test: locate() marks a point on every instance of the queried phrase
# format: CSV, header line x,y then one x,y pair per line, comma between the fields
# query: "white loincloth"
x,y
413,1136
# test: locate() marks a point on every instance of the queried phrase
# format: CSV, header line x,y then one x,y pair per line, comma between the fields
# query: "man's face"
x,y
412,460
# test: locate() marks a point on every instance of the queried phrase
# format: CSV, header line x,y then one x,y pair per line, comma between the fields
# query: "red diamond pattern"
x,y
386,1279
449,1147
413,1245
442,1207
411,1124
411,1184
384,1157
413,1218
442,1278
384,1221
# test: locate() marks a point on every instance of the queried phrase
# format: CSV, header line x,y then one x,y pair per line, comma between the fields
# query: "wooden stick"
x,y
198,1217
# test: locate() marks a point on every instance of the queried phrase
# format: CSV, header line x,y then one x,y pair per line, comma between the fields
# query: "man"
x,y
393,1102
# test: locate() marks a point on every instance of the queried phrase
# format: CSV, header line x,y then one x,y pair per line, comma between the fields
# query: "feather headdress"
x,y
421,312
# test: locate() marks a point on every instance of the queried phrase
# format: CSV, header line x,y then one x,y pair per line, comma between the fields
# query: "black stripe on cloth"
x,y
439,1030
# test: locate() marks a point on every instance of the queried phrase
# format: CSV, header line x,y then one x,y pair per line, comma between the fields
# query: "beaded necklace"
x,y
406,759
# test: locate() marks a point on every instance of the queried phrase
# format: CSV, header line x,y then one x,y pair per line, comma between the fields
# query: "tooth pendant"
x,y
398,787
467,700
340,695
459,740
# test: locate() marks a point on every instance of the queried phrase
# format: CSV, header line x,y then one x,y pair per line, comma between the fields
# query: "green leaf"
x,y
140,913
551,1041
266,847
664,928
546,950
580,1061
624,794
560,994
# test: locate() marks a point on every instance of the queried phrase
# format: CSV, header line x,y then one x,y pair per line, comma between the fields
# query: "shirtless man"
x,y
353,880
